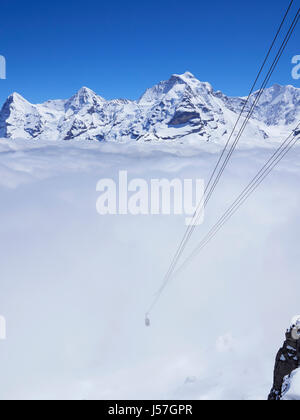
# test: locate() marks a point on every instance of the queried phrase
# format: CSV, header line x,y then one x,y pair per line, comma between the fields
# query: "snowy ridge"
x,y
180,108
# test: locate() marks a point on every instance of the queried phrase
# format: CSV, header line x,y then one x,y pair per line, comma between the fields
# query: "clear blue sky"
x,y
120,48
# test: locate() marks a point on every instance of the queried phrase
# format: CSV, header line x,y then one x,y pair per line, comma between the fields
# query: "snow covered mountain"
x,y
179,108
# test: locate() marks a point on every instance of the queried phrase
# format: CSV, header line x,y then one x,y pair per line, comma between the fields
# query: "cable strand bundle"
x,y
215,176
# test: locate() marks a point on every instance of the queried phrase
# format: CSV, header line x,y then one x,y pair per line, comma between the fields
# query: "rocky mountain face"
x,y
179,108
287,364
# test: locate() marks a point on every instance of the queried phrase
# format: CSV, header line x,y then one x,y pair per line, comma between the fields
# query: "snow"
x,y
295,321
292,387
88,116
75,285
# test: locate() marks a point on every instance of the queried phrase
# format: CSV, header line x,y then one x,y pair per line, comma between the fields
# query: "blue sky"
x,y
120,48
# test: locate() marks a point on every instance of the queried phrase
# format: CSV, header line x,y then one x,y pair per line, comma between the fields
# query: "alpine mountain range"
x,y
180,108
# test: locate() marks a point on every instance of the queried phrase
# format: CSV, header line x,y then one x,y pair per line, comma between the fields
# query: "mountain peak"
x,y
177,86
16,97
85,91
185,76
193,82
16,101
84,96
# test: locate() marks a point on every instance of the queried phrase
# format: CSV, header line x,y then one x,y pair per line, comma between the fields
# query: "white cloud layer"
x,y
75,285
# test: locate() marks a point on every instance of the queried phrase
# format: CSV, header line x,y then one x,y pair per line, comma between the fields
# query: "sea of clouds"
x,y
75,285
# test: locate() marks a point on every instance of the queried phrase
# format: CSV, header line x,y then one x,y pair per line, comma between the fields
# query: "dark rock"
x,y
183,117
287,360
